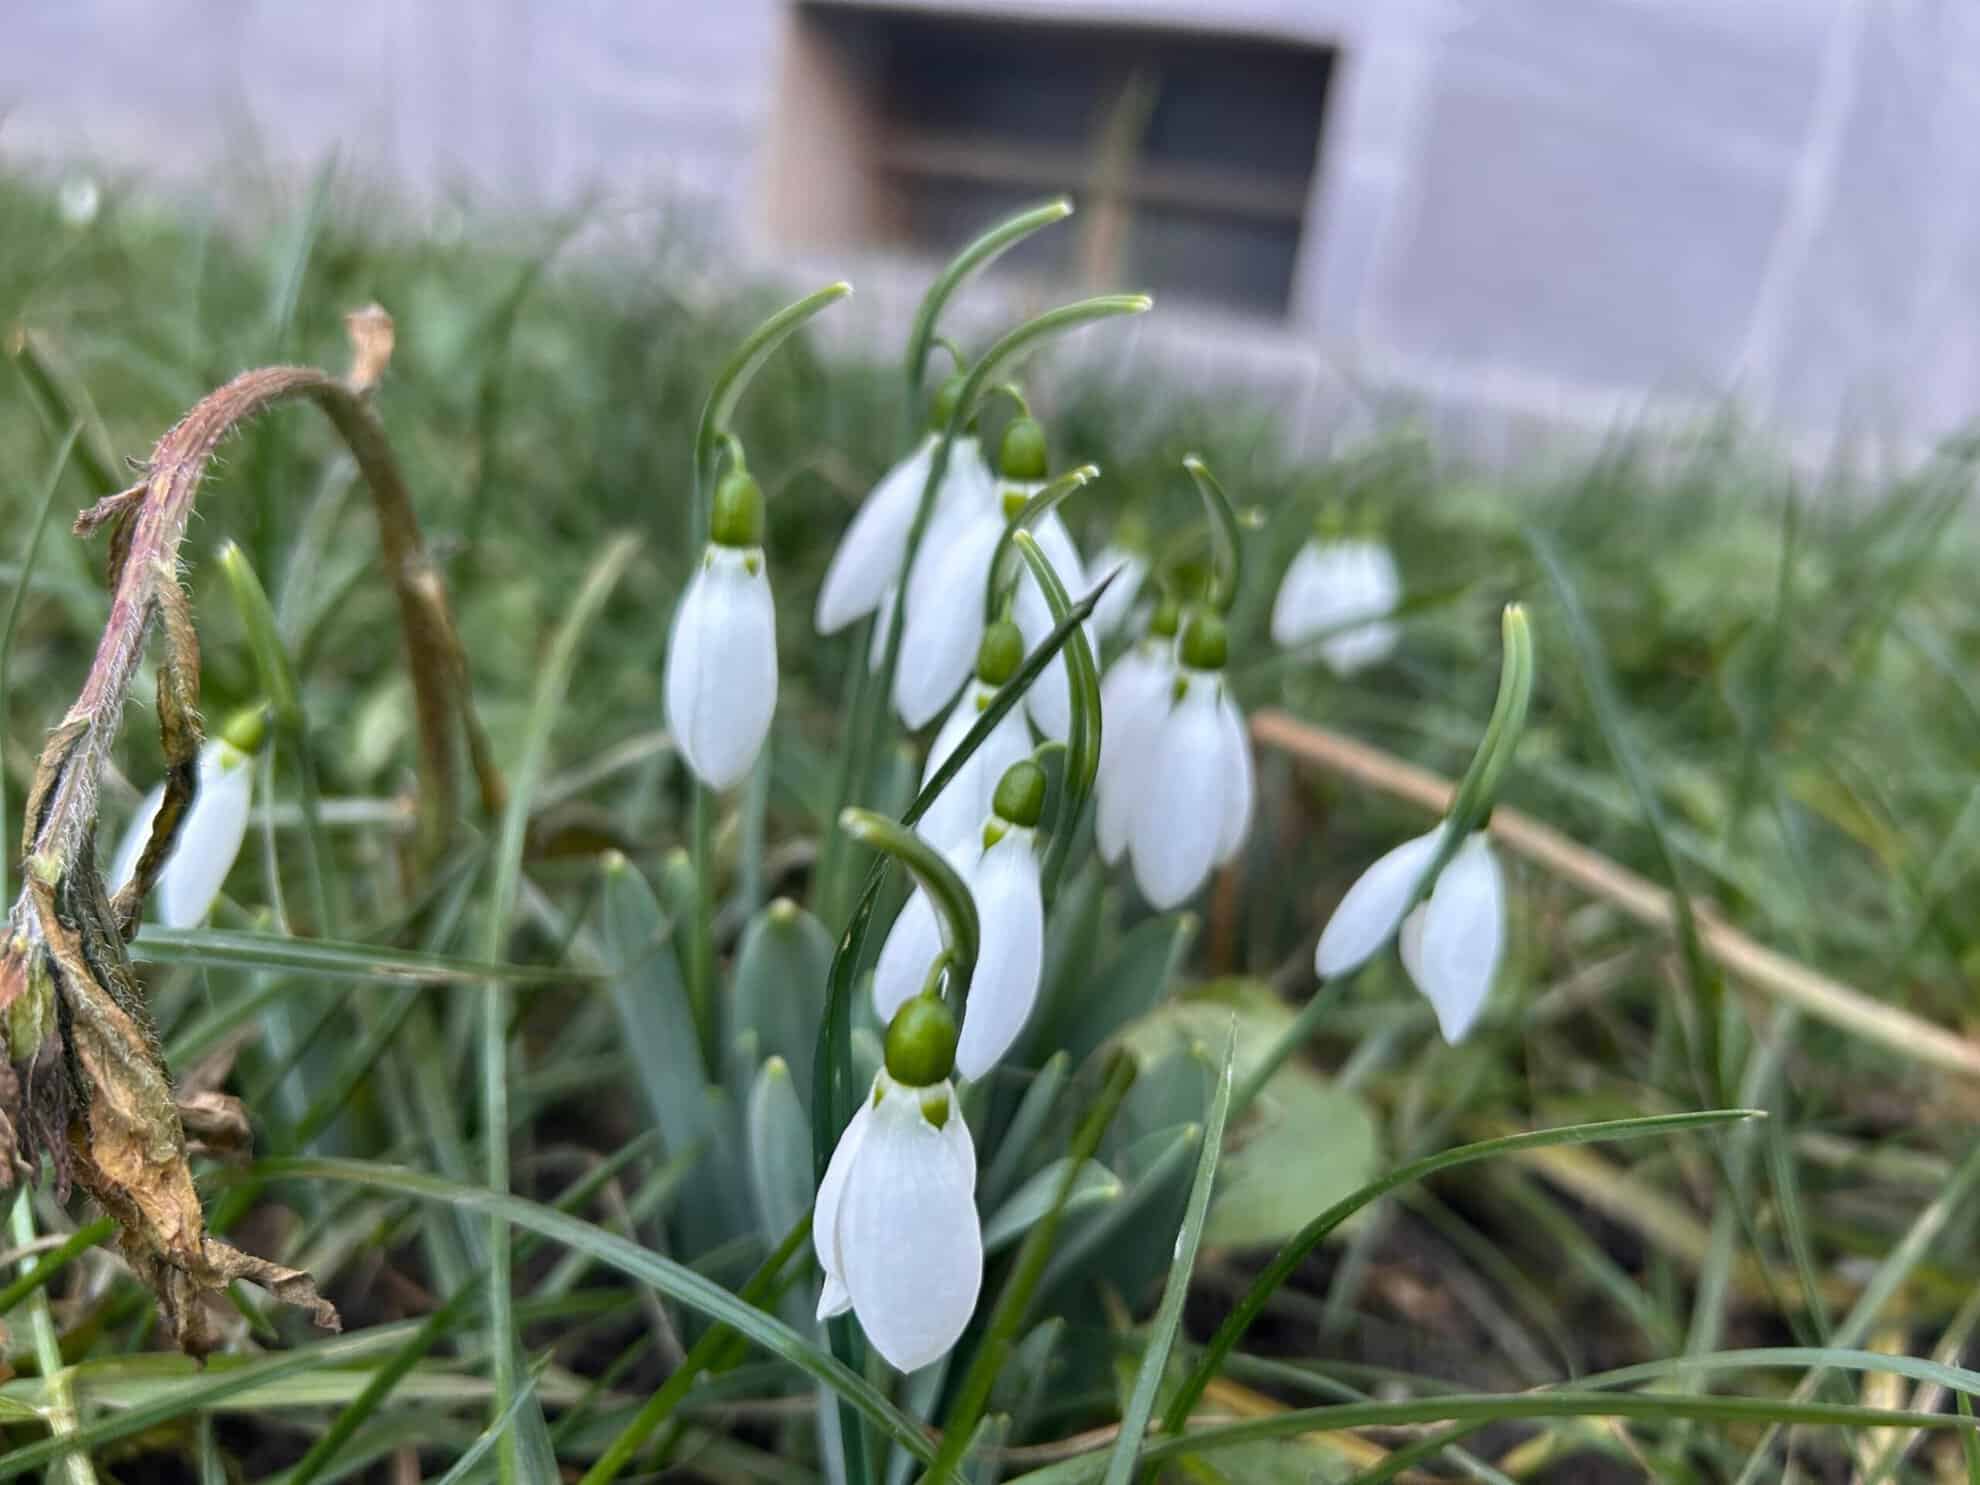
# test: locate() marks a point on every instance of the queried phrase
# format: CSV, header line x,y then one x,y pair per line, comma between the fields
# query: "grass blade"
x,y
326,959
674,1280
1310,1237
494,1042
1168,1315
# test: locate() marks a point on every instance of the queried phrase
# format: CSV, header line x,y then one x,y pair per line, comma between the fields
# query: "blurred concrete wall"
x,y
1528,215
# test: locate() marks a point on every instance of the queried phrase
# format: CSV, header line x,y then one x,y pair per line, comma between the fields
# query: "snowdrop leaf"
x,y
779,989
1093,1184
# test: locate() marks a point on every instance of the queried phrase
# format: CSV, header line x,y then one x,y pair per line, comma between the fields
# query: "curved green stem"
x,y
977,256
730,383
1028,515
1028,337
1083,736
1228,566
955,909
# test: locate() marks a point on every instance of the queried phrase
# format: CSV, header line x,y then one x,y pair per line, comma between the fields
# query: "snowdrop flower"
x,y
860,579
1000,868
1023,462
1193,789
958,811
209,836
1134,698
722,655
1450,942
943,625
895,1226
1112,611
1335,583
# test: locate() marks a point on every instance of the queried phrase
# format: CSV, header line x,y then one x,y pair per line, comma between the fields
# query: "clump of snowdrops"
x,y
916,1106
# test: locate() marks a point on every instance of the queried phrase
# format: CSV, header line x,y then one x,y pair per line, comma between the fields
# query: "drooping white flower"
x,y
1193,801
208,842
959,810
1182,784
722,665
895,1226
1450,943
947,589
942,622
1112,611
1000,868
868,559
860,579
1351,582
1134,698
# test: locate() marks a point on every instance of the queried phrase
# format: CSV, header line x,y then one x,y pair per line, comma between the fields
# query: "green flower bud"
x,y
246,729
1000,654
737,519
921,1043
1205,644
1022,455
1020,796
1166,620
942,406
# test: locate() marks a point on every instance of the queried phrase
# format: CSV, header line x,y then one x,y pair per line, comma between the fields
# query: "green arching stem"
x,y
975,257
730,383
1083,677
955,909
711,436
1029,514
1228,569
1478,790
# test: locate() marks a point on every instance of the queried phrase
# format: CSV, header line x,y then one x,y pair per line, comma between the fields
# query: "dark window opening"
x,y
1191,155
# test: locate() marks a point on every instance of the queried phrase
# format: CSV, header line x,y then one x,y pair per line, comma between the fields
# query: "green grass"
x,y
1764,687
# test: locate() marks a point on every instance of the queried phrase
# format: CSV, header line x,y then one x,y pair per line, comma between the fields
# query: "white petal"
x,y
1238,800
1409,943
1301,608
825,1211
1049,701
911,946
1179,826
209,839
944,614
1360,647
722,666
1118,601
1011,957
1374,906
869,555
908,1234
1134,698
960,809
124,866
1464,931
833,1297
916,937
1331,584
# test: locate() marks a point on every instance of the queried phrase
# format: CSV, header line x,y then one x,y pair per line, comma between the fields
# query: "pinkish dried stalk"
x,y
82,1080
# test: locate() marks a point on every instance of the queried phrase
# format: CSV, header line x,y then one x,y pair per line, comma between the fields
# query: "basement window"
x,y
1191,154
